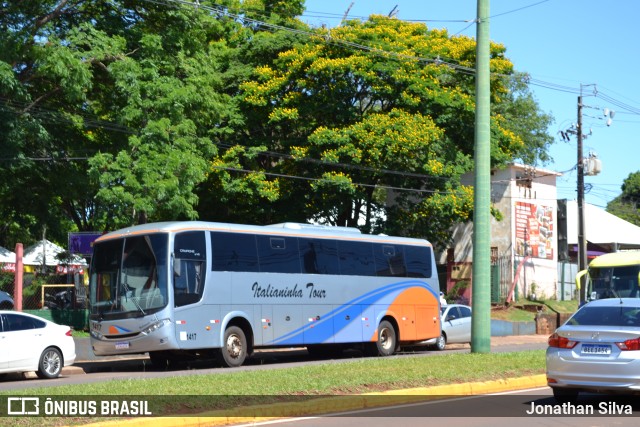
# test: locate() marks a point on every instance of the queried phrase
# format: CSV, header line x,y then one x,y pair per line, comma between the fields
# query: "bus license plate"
x,y
596,349
122,345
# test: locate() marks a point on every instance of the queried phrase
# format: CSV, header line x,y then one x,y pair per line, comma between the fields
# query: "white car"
x,y
456,326
30,343
597,350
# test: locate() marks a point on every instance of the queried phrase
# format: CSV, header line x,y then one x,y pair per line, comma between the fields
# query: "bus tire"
x,y
234,347
387,339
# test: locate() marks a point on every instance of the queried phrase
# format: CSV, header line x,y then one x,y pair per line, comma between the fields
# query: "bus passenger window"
x,y
234,252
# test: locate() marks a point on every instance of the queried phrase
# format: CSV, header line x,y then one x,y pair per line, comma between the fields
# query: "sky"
x,y
568,47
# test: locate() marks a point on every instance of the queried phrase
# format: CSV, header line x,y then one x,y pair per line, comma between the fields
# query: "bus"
x,y
202,289
614,275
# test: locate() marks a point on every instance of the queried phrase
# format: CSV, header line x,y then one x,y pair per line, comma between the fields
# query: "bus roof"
x,y
616,259
284,229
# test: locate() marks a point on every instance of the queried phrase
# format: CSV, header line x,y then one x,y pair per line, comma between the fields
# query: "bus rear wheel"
x,y
234,347
386,343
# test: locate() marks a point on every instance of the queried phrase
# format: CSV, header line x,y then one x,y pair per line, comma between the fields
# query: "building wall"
x,y
525,239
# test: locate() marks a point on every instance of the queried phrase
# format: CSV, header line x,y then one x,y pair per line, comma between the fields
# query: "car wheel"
x,y
441,342
234,347
565,395
50,364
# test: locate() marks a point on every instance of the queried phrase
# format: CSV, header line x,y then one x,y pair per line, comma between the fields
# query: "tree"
x,y
42,95
111,110
627,204
114,112
362,113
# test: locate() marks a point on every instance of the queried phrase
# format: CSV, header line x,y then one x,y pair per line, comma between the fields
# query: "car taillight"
x,y
633,344
557,341
69,333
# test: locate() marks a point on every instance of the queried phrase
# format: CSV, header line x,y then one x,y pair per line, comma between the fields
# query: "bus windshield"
x,y
124,276
614,282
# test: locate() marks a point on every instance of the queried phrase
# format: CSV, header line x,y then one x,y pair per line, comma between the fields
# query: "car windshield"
x,y
127,277
606,316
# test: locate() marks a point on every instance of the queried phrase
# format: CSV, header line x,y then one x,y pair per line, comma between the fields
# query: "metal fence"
x,y
61,298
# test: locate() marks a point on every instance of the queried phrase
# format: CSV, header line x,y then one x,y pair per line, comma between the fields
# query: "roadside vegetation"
x,y
352,377
525,311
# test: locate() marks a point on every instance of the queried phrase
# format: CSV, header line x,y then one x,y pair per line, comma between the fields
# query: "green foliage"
x,y
627,204
6,282
117,112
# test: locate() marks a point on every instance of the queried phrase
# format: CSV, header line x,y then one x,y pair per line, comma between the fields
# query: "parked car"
x,y
456,326
30,343
596,350
6,302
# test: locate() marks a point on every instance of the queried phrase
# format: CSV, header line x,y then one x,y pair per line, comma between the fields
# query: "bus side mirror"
x,y
579,276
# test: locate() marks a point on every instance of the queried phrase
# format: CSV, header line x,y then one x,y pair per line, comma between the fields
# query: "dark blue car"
x,y
6,302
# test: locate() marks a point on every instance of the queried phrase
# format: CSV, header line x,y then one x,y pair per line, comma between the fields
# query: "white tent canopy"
x,y
602,228
6,256
44,252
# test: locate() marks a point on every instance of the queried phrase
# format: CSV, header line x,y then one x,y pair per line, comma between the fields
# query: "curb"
x,y
333,404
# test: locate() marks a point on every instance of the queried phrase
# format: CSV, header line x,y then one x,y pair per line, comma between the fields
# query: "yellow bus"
x,y
614,275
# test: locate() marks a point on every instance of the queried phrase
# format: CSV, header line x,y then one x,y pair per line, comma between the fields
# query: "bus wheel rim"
x,y
234,346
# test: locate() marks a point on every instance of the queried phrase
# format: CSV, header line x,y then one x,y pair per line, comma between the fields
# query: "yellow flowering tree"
x,y
370,124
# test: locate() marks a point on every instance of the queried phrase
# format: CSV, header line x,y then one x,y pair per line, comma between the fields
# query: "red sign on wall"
x,y
534,230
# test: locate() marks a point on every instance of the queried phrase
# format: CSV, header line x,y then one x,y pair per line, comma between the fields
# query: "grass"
x,y
513,314
525,311
566,307
350,377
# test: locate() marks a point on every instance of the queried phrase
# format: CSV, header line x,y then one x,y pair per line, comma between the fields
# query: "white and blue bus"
x,y
179,289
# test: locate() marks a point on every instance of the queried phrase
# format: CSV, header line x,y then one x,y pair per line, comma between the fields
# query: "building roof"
x,y
602,228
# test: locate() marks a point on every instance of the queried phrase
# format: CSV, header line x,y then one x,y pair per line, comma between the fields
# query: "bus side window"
x,y
389,260
189,267
319,256
418,261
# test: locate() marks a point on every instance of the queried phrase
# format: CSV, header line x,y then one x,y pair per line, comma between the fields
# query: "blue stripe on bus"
x,y
323,329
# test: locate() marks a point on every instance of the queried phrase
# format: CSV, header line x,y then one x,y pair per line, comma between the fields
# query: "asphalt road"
x,y
524,408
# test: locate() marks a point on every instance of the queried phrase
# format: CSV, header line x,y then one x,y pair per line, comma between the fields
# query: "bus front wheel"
x,y
234,347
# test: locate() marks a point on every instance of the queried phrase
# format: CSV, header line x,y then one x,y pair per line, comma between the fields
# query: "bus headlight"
x,y
155,326
97,335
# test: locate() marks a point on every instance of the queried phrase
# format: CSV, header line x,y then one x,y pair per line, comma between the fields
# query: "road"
x,y
524,408
90,369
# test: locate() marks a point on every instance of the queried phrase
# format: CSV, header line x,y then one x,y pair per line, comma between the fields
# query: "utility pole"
x,y
481,274
582,241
